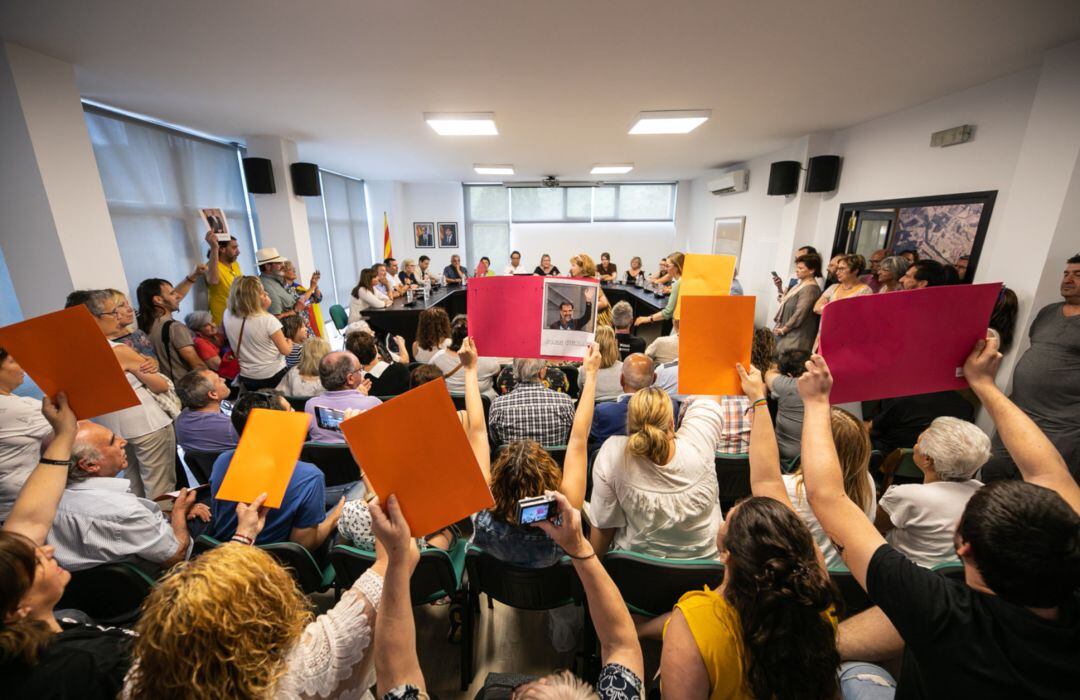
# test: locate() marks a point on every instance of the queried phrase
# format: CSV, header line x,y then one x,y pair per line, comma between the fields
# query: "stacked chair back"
x,y
459,404
733,476
651,586
953,570
339,316
333,459
437,575
200,464
571,379
297,402
111,594
304,569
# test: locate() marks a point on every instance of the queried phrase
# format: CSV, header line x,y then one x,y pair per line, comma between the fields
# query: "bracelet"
x,y
242,539
759,402
581,558
57,462
188,278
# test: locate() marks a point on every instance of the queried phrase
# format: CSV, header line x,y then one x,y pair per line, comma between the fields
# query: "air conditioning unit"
x,y
730,183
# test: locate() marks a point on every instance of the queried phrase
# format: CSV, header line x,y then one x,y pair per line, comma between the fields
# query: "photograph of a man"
x,y
566,320
569,307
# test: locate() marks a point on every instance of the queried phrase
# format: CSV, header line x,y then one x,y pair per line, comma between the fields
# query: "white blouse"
x,y
670,510
423,355
332,658
608,386
797,495
487,368
366,300
136,421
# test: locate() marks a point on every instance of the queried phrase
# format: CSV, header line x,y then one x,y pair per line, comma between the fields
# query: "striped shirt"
x,y
532,412
735,435
99,521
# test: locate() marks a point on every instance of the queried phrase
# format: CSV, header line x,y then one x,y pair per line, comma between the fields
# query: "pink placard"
x,y
505,315
904,343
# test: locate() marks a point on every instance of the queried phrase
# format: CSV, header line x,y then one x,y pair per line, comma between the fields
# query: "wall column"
x,y
283,219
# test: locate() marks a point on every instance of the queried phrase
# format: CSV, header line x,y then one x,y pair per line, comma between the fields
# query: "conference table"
x,y
401,318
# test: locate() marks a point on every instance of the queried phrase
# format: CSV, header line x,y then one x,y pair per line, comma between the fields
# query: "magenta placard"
x,y
505,315
904,343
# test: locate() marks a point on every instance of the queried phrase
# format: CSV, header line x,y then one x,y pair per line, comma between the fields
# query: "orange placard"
x,y
65,350
266,457
705,275
714,334
433,492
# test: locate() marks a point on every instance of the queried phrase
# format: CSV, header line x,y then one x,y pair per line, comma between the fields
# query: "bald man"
x,y
609,417
99,520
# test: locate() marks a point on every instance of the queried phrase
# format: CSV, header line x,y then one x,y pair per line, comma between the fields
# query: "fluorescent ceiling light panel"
x,y
669,122
462,124
620,169
493,169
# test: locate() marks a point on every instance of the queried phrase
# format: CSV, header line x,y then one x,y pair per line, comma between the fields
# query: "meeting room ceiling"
x,y
349,80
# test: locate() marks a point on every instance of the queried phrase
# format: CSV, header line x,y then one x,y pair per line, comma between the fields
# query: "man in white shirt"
x,y
383,281
920,520
99,520
22,429
515,268
393,281
665,348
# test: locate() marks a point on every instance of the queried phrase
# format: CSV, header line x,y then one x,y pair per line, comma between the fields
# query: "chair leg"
x,y
467,630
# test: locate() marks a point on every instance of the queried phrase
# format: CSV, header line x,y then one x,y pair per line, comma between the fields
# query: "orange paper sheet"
x,y
266,457
66,351
433,492
705,275
715,333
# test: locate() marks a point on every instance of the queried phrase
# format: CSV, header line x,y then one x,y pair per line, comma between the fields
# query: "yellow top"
x,y
219,293
718,635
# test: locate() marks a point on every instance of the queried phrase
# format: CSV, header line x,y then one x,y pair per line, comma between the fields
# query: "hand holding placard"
x,y
266,457
715,333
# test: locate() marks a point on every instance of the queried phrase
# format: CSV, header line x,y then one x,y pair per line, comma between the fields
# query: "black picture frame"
x,y
844,241
423,234
447,234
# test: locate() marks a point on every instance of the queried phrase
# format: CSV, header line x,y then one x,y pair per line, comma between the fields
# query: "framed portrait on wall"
x,y
728,236
423,234
448,234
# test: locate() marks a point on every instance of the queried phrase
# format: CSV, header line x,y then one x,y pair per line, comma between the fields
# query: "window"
x,y
635,202
155,180
487,225
11,312
550,204
347,242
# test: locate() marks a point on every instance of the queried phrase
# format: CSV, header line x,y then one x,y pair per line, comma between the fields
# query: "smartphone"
x,y
537,509
226,407
775,276
329,418
173,495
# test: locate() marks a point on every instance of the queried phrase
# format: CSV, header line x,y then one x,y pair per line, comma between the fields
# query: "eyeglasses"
x,y
115,313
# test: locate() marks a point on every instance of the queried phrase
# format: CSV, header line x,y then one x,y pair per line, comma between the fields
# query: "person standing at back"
x,y
221,269
1046,380
255,335
158,301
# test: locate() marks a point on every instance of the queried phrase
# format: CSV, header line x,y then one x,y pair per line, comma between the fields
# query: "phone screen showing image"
x,y
329,418
536,513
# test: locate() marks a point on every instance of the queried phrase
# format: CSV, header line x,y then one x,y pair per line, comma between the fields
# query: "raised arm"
x,y
474,407
212,275
576,463
396,662
1037,458
765,479
34,509
614,627
855,537
184,286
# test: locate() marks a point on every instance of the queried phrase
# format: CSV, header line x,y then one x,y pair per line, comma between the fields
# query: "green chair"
x,y
854,597
334,460
485,401
899,467
515,586
111,594
437,575
651,585
201,464
733,476
339,316
951,569
297,402
304,569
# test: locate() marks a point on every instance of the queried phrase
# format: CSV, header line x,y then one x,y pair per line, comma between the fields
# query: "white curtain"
x,y
487,225
155,181
347,231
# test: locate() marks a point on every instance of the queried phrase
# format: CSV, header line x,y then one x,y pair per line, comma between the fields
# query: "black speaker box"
x,y
822,173
784,177
305,179
259,175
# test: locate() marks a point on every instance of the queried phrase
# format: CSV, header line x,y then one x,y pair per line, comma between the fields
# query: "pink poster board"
x,y
904,343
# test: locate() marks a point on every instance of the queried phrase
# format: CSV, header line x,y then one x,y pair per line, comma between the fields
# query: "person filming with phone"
x,y
346,387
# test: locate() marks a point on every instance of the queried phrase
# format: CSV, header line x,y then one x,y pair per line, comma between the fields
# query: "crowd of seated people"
x,y
232,622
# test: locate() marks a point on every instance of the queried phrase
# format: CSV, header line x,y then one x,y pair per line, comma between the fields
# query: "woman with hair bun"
x,y
769,630
655,489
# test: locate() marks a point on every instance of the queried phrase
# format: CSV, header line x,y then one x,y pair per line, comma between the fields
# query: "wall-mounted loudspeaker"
x,y
784,177
259,175
822,173
305,179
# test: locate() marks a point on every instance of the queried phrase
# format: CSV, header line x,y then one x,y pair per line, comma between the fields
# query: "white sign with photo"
x,y
215,221
569,318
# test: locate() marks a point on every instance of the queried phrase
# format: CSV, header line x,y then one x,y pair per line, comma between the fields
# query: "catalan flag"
x,y
386,249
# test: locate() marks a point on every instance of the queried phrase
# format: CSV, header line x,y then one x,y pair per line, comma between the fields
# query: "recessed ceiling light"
x,y
621,169
493,169
462,124
669,122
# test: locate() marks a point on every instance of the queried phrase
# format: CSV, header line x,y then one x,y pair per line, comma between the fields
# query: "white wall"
x,y
406,202
650,240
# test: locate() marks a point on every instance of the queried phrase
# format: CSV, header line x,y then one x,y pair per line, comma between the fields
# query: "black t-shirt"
x,y
629,344
394,380
960,643
84,661
540,271
901,420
